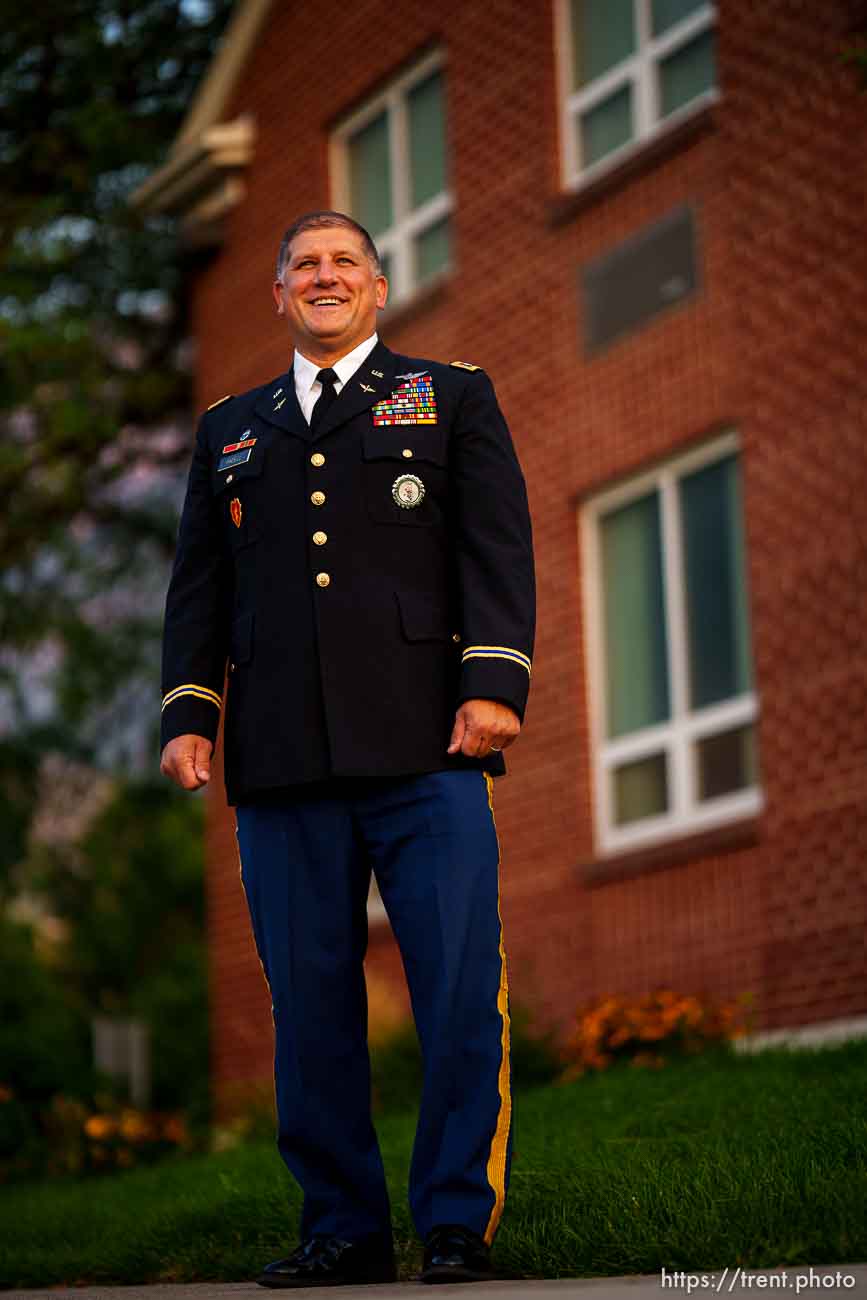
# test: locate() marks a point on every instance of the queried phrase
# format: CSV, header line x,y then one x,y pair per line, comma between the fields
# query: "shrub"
x,y
121,1138
648,1029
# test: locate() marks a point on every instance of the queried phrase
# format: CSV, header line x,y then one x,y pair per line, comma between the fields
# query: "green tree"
x,y
94,440
94,389
129,897
44,1047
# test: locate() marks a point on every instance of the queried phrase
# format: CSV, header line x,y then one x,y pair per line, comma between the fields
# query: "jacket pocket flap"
x,y
423,615
393,441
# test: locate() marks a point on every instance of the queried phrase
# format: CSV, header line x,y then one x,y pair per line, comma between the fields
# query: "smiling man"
x,y
355,562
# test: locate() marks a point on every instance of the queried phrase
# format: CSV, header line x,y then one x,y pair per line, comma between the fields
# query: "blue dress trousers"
x,y
432,845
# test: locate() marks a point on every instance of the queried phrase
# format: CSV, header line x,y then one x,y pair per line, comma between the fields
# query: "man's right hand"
x,y
186,760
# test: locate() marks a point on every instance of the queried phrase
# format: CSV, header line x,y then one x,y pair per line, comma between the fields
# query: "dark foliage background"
x,y
100,863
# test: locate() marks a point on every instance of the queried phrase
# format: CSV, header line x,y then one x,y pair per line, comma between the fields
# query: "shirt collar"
x,y
306,370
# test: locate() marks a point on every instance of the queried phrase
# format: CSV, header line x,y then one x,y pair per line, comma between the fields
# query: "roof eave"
x,y
201,173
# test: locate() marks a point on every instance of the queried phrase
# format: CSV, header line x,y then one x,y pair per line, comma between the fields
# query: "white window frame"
x,y
641,70
677,736
397,242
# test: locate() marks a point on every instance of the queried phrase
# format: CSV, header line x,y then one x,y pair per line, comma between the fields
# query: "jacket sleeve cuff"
x,y
495,673
190,710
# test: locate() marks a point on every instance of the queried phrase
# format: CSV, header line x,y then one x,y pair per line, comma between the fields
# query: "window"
x,y
391,173
629,67
670,671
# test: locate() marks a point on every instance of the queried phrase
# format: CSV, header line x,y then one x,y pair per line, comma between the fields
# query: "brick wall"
x,y
773,345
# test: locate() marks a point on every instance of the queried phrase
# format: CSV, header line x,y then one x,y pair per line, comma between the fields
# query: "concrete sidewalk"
x,y
802,1280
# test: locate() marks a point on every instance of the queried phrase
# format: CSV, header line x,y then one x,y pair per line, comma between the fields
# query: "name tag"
x,y
236,458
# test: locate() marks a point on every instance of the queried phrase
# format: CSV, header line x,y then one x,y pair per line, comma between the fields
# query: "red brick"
x,y
774,344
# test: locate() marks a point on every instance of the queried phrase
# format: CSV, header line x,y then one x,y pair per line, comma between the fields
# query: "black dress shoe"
x,y
330,1261
455,1254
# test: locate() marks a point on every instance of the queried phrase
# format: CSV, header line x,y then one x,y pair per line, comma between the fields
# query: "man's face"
x,y
329,292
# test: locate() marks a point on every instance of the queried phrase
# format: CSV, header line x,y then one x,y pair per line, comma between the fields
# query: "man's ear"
x,y
277,292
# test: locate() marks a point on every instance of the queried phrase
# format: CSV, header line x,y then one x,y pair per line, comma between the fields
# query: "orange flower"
x,y
135,1127
100,1127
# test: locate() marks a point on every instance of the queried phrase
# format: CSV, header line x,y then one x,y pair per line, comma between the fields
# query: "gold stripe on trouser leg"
x,y
496,1169
255,944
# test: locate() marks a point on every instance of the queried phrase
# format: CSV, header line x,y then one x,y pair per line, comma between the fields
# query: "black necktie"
x,y
325,400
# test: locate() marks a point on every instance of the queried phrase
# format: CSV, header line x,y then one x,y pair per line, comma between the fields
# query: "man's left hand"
x,y
482,726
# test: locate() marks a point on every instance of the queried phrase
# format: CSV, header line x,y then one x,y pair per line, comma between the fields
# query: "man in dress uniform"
x,y
355,565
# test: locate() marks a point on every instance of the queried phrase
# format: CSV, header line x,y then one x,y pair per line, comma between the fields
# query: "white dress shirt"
x,y
307,386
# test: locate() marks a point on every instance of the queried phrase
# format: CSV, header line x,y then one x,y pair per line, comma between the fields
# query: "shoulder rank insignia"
x,y
464,365
221,401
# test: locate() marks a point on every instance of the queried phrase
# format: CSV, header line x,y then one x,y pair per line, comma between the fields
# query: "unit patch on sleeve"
x,y
412,403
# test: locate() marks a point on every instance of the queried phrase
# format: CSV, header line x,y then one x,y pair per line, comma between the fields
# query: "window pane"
x,y
606,127
427,146
727,763
432,250
668,12
640,789
603,33
690,71
370,176
717,617
635,640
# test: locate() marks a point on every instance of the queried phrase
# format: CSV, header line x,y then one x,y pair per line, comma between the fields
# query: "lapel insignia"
x,y
282,402
276,394
235,511
413,402
378,374
368,389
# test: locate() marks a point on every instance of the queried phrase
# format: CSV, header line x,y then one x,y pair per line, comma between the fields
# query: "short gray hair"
x,y
321,221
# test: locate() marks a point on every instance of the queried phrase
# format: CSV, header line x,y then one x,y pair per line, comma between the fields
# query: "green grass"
x,y
715,1161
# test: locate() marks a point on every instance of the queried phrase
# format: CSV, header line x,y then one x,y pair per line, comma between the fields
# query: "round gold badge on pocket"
x,y
407,491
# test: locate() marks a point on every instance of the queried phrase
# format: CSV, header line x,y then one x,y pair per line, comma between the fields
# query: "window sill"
x,y
423,299
672,853
647,154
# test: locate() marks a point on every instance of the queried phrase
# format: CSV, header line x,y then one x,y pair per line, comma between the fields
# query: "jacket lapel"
x,y
278,404
372,381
